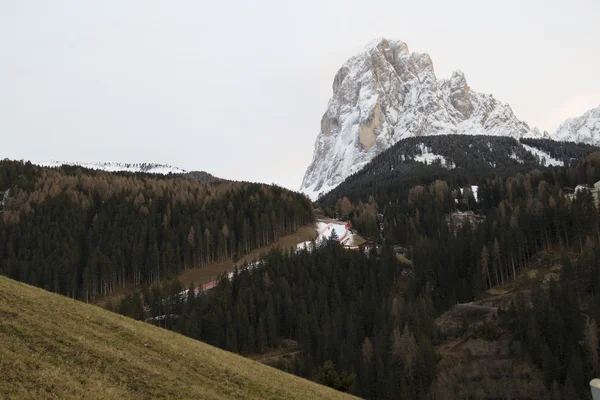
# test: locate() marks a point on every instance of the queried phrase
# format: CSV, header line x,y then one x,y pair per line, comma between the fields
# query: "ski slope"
x,y
325,229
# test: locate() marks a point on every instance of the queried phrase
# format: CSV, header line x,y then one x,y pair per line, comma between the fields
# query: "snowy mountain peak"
x,y
385,94
583,129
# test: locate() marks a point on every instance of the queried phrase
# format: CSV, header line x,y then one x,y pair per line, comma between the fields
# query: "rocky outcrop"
x,y
386,94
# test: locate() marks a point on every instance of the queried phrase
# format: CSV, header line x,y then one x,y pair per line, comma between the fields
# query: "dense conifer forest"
x,y
340,306
83,233
371,315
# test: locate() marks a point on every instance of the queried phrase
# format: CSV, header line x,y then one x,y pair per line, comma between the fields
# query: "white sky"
x,y
237,88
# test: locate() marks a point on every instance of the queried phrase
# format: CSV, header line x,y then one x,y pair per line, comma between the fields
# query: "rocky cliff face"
x,y
386,94
584,129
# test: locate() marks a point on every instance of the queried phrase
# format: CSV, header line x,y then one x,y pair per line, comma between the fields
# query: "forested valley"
x,y
365,321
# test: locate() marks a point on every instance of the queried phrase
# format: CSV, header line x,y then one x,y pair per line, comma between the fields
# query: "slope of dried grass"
x,y
55,347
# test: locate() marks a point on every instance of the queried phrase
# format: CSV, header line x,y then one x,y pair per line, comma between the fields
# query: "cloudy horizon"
x,y
238,89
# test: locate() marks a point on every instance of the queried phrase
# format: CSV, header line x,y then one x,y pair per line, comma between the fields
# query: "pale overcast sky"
x,y
237,88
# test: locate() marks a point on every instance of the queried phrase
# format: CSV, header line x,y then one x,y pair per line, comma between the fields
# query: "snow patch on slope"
x,y
545,158
474,190
516,158
309,245
428,157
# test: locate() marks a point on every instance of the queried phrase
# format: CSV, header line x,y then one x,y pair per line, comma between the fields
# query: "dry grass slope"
x,y
55,347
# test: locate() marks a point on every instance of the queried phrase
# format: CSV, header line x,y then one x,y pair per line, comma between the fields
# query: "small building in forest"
x,y
368,245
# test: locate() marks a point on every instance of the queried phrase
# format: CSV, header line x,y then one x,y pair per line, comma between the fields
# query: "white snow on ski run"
x,y
543,156
305,245
324,232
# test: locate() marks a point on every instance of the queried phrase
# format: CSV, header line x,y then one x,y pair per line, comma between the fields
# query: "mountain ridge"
x,y
143,167
582,129
111,166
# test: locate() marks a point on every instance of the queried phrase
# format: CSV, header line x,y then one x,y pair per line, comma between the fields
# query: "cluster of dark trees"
x,y
83,233
341,306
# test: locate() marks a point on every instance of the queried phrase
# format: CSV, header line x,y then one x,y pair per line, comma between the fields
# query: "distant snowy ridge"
x,y
150,168
386,94
583,129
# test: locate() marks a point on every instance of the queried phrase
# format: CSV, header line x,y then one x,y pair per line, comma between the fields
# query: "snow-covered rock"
x,y
583,129
386,94
151,168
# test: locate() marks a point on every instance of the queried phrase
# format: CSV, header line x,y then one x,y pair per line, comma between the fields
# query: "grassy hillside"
x,y
55,347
